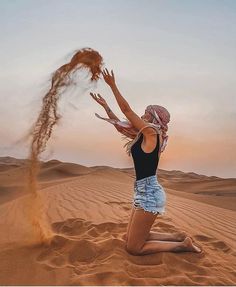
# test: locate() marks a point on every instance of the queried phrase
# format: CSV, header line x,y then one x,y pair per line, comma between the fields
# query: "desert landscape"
x,y
79,81
88,209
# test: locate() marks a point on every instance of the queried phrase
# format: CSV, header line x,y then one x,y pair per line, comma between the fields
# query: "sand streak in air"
x,y
86,58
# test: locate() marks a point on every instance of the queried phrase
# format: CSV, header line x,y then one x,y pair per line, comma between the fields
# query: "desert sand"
x,y
89,208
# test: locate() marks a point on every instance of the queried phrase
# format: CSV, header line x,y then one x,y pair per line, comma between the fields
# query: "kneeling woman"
x,y
149,139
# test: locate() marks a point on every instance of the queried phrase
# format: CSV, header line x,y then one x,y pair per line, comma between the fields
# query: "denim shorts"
x,y
149,195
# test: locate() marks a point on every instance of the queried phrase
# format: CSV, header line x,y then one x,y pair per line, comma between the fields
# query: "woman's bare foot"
x,y
187,246
180,236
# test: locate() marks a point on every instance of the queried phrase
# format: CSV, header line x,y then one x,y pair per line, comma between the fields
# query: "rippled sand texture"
x,y
88,210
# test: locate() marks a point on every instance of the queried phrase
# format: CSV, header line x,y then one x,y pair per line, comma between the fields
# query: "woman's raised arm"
x,y
110,80
99,99
135,120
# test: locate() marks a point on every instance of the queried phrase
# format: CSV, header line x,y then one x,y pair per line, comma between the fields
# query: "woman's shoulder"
x,y
151,130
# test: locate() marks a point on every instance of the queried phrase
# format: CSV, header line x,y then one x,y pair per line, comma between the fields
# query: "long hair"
x,y
128,145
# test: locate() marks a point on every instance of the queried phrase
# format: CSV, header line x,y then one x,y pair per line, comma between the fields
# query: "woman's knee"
x,y
132,249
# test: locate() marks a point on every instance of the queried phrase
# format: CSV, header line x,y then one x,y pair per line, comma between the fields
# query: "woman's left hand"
x,y
109,78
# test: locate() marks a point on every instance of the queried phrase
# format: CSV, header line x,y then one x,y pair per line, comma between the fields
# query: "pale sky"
x,y
178,54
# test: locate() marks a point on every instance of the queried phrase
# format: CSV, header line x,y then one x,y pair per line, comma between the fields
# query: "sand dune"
x,y
88,210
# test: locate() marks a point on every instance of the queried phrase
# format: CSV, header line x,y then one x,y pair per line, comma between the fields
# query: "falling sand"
x,y
62,78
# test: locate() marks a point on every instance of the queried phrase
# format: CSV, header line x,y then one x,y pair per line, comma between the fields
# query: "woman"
x,y
149,139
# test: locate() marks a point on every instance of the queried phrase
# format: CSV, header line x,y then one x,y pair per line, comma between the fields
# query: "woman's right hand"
x,y
99,99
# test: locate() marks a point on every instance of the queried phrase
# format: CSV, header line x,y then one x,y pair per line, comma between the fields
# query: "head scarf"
x,y
160,117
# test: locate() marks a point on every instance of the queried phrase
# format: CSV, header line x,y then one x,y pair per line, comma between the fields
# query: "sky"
x,y
177,54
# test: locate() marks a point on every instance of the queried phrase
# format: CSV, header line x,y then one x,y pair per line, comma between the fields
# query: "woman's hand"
x,y
109,78
99,99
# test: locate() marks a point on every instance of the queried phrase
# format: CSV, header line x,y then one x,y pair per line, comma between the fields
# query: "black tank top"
x,y
145,163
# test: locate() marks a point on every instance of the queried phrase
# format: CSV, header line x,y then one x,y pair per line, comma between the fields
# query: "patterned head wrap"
x,y
160,119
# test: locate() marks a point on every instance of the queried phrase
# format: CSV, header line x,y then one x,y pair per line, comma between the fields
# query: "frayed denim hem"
x,y
156,212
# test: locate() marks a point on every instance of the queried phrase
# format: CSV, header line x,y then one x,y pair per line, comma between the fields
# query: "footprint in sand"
x,y
221,245
213,243
203,238
75,243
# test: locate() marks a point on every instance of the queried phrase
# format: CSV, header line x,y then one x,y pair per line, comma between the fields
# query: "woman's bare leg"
x,y
176,236
126,235
159,246
137,243
160,236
